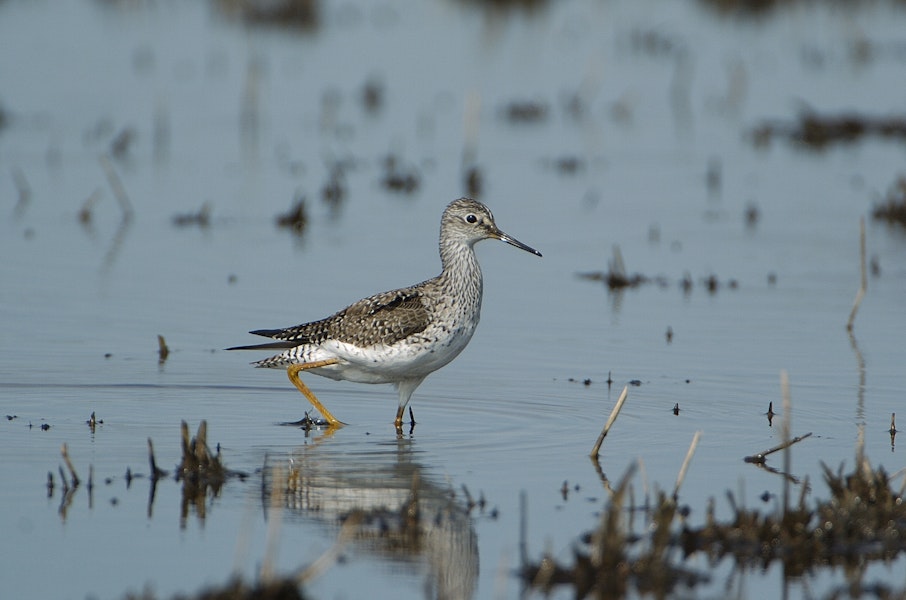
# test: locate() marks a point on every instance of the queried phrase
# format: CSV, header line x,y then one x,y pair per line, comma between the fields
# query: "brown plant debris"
x,y
163,351
296,218
201,472
863,520
293,14
64,452
200,218
893,210
749,8
93,422
605,567
525,111
198,464
816,132
334,190
397,178
764,8
616,278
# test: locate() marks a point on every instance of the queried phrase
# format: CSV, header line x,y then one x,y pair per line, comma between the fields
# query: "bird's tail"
x,y
280,345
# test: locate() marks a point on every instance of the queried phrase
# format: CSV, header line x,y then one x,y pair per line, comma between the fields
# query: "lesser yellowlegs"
x,y
401,336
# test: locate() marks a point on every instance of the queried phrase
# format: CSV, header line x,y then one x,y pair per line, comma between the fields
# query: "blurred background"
x,y
694,173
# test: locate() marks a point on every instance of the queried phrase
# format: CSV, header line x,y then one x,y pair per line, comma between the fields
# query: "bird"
x,y
400,336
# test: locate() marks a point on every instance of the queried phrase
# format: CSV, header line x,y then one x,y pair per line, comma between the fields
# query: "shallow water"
x,y
82,304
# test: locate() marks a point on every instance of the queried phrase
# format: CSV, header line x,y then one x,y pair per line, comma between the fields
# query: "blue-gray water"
x,y
669,91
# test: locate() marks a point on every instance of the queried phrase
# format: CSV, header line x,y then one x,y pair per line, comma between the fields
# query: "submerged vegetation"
x,y
862,520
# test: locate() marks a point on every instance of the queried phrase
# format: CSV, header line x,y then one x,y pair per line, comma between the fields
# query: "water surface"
x,y
248,118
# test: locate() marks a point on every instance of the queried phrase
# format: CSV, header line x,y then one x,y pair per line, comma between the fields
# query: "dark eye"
x,y
471,219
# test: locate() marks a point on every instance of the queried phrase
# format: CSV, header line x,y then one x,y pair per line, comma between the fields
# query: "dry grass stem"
x,y
761,457
156,472
682,472
863,287
75,478
610,421
162,350
785,434
117,187
63,480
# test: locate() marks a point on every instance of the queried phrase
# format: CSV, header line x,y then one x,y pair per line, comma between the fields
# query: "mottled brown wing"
x,y
380,319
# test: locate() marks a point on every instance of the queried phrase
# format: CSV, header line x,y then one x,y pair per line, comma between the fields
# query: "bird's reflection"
x,y
401,514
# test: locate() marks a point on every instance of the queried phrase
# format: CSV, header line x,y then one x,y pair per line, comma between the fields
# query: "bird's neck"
x,y
461,268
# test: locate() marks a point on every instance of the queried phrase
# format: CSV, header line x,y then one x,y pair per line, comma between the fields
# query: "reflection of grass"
x,y
431,522
863,520
202,474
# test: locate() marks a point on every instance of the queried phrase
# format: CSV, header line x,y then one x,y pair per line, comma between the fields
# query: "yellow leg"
x,y
293,372
399,417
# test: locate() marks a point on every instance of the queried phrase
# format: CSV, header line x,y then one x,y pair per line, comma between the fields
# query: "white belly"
x,y
417,357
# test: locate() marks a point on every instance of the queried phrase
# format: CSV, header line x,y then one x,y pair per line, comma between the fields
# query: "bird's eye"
x,y
471,219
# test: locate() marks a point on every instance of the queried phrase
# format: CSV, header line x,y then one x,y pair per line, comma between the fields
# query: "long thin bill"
x,y
514,242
